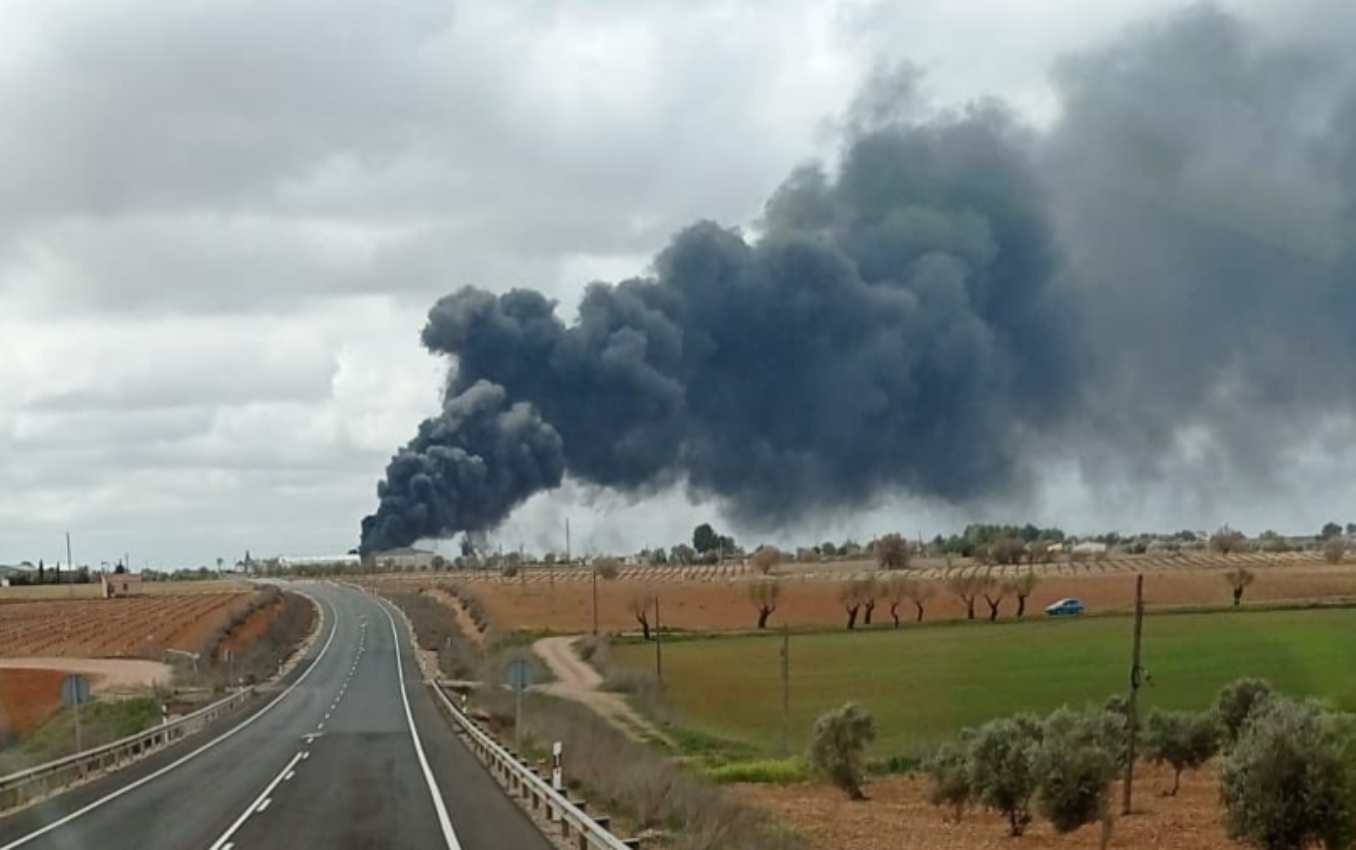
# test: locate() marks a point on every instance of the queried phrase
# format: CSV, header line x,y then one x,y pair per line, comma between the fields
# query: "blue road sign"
x,y
74,690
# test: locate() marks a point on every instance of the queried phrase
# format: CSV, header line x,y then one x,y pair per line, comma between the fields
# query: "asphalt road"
x,y
355,755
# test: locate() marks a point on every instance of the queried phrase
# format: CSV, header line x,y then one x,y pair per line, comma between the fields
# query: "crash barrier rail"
x,y
25,786
587,832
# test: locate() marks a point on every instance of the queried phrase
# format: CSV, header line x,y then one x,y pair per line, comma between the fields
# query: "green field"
x,y
923,684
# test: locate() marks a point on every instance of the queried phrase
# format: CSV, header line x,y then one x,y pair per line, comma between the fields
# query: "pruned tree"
x,y
853,595
870,590
892,552
993,591
966,588
1289,781
640,605
1185,740
837,742
895,591
1022,587
764,594
1334,550
766,559
1238,579
919,593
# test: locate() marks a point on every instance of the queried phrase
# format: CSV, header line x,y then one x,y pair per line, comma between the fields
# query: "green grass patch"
x,y
101,722
924,684
772,771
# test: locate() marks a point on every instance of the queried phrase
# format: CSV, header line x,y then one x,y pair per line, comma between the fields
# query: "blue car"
x,y
1064,608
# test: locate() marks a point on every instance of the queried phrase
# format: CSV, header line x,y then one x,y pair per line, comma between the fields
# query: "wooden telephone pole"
x,y
658,645
786,690
1132,706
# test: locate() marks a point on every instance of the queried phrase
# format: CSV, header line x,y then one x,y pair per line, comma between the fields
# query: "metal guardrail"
x,y
589,832
25,786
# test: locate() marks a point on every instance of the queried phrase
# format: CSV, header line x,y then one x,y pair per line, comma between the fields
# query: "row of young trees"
x,y
1287,776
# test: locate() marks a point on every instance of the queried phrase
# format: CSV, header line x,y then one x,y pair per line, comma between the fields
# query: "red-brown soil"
x,y
898,817
254,627
141,627
27,697
810,599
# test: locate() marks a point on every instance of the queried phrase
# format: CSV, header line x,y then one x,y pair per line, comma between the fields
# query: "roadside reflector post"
x,y
557,775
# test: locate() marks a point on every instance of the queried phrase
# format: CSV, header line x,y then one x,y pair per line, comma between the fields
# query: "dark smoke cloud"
x,y
1165,273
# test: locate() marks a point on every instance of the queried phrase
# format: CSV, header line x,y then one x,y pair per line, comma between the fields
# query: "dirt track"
x,y
577,680
113,676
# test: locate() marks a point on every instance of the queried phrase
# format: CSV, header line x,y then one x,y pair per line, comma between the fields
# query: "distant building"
x,y
1089,548
120,584
319,561
406,558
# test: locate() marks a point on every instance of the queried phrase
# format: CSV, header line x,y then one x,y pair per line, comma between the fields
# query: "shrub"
x,y
1075,768
1286,784
1002,757
1183,739
1238,580
1236,702
837,742
764,594
892,552
1008,550
949,770
1334,550
766,559
607,568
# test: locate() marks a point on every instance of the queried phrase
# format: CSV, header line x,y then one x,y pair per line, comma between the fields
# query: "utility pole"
x,y
786,689
69,564
658,645
567,546
595,598
1132,706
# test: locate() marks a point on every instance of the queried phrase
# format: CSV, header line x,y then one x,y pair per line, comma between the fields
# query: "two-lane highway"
x,y
353,754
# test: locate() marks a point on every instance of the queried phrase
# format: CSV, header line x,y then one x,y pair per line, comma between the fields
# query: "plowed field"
x,y
138,627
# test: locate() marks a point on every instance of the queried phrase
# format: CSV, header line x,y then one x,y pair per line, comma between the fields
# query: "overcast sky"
x,y
222,225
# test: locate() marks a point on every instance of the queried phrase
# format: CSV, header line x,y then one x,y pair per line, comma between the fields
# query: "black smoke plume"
x,y
1165,273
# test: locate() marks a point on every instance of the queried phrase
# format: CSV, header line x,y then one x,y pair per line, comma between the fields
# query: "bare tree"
x,y
1239,579
870,590
640,605
764,594
919,592
766,559
1008,550
966,588
892,552
1021,587
993,592
853,595
895,591
1226,541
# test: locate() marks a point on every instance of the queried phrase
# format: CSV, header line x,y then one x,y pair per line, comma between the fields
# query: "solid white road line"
x,y
260,803
443,820
150,777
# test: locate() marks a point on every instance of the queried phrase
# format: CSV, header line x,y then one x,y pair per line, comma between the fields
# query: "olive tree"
x,y
1003,773
1185,740
1074,766
1238,579
949,771
837,742
764,594
1236,702
1289,783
